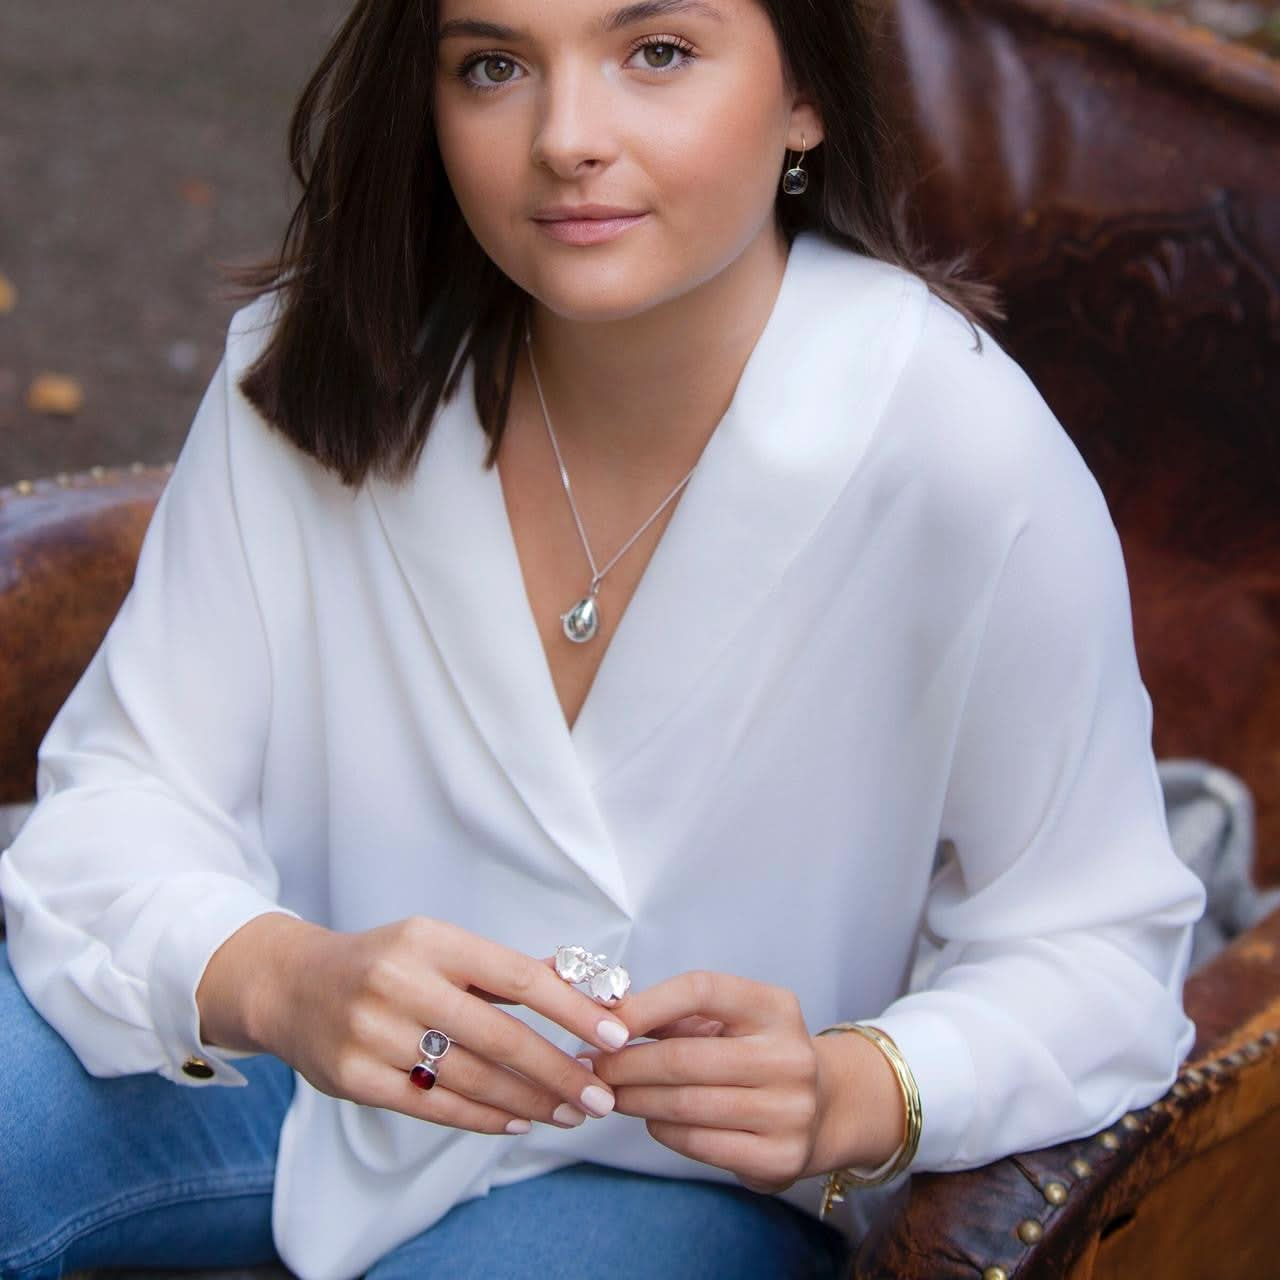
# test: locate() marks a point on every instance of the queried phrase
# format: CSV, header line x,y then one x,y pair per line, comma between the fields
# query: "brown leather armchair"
x,y
1119,174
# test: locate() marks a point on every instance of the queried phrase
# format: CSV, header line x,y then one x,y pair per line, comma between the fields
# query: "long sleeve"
x,y
144,852
1064,920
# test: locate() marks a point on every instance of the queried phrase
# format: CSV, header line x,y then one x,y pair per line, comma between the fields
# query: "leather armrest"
x,y
1172,1190
68,545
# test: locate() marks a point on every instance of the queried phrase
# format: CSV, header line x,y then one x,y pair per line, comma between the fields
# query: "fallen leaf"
x,y
55,393
8,294
196,192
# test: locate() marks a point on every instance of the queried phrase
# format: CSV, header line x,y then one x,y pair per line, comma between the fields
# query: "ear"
x,y
805,127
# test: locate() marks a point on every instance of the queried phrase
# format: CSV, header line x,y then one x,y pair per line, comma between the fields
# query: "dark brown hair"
x,y
381,282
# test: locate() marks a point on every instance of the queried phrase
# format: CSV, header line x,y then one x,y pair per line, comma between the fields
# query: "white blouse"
x,y
890,610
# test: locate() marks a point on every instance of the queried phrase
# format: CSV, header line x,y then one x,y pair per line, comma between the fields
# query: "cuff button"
x,y
197,1068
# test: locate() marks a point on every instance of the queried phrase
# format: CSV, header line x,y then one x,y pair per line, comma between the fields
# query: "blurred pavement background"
x,y
139,143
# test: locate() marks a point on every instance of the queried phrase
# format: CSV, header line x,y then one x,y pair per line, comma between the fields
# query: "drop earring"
x,y
795,181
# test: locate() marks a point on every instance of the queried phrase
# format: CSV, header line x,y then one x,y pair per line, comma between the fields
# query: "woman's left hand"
x,y
732,1076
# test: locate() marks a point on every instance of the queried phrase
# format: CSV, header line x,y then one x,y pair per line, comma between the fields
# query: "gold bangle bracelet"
x,y
838,1180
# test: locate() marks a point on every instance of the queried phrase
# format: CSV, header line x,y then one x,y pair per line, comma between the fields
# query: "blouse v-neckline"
x,y
769,473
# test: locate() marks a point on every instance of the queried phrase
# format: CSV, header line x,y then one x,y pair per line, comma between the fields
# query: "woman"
x,y
668,578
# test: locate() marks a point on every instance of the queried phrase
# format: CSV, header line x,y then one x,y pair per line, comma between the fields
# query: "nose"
x,y
573,122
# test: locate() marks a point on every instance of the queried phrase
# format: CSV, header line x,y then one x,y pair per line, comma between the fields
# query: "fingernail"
x,y
614,1034
518,1126
589,1063
568,1115
597,1100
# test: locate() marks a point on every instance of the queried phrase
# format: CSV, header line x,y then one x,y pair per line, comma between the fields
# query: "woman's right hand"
x,y
347,1010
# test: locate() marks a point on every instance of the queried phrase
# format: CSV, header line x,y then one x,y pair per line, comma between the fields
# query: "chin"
x,y
576,290
595,311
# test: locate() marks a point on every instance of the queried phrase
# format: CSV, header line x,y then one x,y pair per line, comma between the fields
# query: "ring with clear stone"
x,y
606,983
433,1046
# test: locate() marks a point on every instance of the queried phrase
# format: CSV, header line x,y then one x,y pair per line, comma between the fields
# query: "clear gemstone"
x,y
573,964
610,984
434,1043
795,181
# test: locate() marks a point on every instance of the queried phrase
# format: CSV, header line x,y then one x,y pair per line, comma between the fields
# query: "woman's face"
x,y
682,117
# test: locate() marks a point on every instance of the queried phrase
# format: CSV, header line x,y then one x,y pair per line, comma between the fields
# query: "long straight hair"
x,y
384,293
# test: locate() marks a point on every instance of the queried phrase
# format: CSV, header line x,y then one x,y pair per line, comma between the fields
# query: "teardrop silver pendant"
x,y
582,621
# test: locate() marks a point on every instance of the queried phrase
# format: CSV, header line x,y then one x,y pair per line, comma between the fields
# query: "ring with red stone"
x,y
433,1046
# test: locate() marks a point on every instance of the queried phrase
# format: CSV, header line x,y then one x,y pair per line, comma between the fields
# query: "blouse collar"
x,y
798,423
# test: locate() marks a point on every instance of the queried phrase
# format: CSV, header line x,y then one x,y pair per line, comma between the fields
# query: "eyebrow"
x,y
614,20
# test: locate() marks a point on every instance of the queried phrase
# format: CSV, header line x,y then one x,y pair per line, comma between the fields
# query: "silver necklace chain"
x,y
582,621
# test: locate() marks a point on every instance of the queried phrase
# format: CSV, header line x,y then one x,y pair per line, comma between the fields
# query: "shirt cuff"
x,y
178,963
942,1065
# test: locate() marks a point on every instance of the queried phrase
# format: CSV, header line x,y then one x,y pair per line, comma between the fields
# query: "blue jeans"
x,y
136,1171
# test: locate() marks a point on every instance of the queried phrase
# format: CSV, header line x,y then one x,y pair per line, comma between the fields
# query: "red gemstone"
x,y
422,1076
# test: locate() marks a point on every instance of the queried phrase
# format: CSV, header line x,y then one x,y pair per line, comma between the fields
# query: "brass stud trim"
x,y
197,1068
1270,1037
1055,1192
1080,1168
1180,1090
1110,1141
65,479
1252,1051
1193,1076
1131,1121
1030,1231
995,1273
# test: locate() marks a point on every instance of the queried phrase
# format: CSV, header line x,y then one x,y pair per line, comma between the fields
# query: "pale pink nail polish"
x,y
614,1034
597,1100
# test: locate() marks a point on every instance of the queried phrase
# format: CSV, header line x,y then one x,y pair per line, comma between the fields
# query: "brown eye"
x,y
662,59
503,61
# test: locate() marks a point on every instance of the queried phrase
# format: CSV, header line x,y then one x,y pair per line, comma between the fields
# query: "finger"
x,y
503,1038
389,1088
701,1060
743,1005
522,979
484,1081
695,1025
487,995
712,1106
732,1149
549,961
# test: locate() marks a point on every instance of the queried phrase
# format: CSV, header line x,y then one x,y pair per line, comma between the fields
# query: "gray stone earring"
x,y
795,181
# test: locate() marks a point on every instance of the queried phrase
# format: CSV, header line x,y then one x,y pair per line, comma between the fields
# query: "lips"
x,y
585,213
585,231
